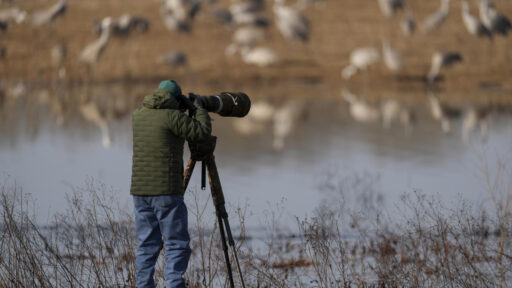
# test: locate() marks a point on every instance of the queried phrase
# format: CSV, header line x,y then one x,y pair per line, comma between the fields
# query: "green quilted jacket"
x,y
159,132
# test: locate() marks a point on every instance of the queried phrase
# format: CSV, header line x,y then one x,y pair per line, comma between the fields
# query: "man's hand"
x,y
197,101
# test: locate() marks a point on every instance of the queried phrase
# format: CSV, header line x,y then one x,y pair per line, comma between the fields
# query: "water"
x,y
48,147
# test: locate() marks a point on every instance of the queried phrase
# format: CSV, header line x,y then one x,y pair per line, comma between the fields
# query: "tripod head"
x,y
203,150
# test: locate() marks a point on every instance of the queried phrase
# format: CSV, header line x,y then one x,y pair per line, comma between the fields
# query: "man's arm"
x,y
191,129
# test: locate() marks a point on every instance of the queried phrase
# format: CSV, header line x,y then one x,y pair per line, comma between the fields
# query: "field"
x,y
337,27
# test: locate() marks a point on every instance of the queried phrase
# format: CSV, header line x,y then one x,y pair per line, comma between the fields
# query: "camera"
x,y
226,104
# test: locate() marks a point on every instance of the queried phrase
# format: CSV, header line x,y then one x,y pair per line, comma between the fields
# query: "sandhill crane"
x,y
183,9
360,59
124,25
492,20
174,22
261,113
389,7
93,51
59,53
473,25
253,19
440,60
176,59
360,110
259,56
249,36
246,36
12,15
50,14
407,24
222,15
252,6
290,22
435,20
285,119
249,13
392,58
91,113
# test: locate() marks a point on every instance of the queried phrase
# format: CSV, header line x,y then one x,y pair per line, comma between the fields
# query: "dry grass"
x,y
347,242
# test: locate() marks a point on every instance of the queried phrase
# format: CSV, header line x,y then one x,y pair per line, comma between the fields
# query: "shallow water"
x,y
48,146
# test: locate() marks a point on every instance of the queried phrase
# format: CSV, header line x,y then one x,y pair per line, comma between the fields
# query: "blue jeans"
x,y
160,218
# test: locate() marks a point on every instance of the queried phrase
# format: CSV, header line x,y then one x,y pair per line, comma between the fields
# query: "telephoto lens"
x,y
228,104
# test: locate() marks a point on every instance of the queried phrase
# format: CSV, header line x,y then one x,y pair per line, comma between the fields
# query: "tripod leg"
x,y
188,173
225,248
219,202
233,248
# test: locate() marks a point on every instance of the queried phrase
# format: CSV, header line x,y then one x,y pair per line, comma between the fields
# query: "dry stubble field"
x,y
338,26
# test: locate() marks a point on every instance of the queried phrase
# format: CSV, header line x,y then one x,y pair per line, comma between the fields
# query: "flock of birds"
x,y
250,22
389,111
490,23
247,19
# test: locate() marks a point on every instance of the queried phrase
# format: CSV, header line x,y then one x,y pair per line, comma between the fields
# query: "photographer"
x,y
160,129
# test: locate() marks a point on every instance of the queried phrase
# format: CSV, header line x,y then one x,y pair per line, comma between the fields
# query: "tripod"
x,y
203,152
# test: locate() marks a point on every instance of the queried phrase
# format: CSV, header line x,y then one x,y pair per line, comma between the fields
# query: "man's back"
x,y
159,131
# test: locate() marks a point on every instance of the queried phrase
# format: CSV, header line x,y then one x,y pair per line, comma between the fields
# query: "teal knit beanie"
x,y
171,86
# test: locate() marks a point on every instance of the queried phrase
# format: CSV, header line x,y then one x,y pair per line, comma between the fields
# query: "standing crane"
x,y
246,36
93,51
47,16
435,20
389,7
492,20
360,60
407,24
392,58
290,22
473,24
440,60
259,56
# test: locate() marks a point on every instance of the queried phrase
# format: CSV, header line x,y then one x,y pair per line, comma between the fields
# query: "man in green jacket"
x,y
160,129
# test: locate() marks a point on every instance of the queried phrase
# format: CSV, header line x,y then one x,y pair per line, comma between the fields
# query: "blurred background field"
x,y
336,28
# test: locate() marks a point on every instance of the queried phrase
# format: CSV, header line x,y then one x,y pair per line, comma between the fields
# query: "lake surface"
x,y
50,143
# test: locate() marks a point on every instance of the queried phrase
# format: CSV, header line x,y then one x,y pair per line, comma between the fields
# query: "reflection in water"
x,y
474,119
274,152
441,113
103,104
360,110
91,113
286,118
255,122
390,111
393,110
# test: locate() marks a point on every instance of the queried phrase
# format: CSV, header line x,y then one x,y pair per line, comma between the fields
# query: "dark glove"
x,y
197,101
